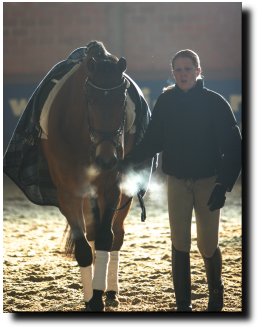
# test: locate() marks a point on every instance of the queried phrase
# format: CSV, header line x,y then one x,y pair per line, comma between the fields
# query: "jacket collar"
x,y
196,88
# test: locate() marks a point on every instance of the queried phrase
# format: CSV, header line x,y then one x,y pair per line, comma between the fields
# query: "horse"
x,y
86,138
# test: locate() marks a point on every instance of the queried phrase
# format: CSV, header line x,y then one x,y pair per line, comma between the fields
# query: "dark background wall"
x,y
38,35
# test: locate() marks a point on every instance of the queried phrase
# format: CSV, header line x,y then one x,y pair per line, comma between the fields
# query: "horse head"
x,y
106,91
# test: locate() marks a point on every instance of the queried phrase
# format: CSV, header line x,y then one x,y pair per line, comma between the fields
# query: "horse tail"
x,y
69,242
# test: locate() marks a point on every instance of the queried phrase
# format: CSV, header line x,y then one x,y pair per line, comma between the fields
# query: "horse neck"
x,y
75,104
81,74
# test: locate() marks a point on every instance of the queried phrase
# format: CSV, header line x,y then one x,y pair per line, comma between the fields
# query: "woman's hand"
x,y
217,198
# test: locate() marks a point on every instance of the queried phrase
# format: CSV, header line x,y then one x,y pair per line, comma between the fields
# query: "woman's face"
x,y
185,73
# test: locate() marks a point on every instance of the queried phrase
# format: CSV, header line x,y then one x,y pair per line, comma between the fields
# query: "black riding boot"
x,y
181,274
213,268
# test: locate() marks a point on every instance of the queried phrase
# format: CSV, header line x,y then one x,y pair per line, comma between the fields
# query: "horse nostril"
x,y
105,164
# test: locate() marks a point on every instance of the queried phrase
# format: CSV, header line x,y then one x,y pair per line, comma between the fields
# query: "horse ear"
x,y
122,64
91,65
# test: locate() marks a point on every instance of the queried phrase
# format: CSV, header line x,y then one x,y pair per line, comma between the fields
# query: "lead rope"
x,y
143,208
142,205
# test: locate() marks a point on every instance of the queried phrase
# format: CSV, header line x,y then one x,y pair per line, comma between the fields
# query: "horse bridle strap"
x,y
125,81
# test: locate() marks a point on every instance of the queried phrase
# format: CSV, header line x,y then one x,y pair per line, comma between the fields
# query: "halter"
x,y
114,136
106,90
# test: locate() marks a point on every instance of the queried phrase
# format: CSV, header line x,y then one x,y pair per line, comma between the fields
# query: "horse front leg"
x,y
107,202
119,232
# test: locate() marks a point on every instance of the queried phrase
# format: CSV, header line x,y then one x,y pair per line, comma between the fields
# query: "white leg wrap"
x,y
87,278
112,277
100,270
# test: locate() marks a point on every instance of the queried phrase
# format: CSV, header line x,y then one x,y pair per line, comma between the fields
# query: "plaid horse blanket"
x,y
24,161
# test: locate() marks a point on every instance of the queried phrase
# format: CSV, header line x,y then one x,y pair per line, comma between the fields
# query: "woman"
x,y
197,132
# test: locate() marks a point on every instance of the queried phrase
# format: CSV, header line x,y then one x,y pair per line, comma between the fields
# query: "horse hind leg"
x,y
83,252
112,280
112,290
72,208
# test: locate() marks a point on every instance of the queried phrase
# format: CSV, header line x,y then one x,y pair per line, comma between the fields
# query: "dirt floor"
x,y
39,278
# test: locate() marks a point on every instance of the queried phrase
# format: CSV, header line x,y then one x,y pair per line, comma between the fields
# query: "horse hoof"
x,y
111,299
96,303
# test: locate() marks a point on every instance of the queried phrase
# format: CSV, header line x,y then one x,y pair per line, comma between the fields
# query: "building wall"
x,y
37,35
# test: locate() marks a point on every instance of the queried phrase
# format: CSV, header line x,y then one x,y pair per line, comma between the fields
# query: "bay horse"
x,y
86,138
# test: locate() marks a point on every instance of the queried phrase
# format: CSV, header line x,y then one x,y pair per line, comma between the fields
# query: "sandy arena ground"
x,y
39,278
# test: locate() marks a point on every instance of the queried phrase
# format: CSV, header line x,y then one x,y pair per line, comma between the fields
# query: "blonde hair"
x,y
185,53
189,54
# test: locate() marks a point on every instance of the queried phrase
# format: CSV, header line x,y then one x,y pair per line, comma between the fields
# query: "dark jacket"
x,y
197,133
